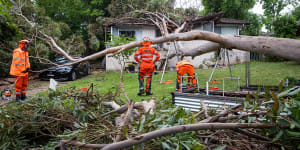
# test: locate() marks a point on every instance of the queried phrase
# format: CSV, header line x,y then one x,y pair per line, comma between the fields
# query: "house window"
x,y
207,27
130,34
157,33
218,30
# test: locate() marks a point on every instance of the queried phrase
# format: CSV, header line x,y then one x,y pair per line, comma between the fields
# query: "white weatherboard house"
x,y
215,24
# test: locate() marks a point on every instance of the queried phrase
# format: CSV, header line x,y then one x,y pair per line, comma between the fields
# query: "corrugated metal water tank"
x,y
192,100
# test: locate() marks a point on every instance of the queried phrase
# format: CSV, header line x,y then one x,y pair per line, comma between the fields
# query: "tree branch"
x,y
80,144
204,108
250,134
183,128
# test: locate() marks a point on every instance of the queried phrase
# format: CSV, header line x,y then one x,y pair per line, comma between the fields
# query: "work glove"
x,y
26,70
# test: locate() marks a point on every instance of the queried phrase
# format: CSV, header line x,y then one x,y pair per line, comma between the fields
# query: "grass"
x,y
262,73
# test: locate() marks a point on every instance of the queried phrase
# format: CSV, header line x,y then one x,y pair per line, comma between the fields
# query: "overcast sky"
x,y
197,4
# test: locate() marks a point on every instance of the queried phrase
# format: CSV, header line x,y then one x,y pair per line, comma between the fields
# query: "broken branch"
x,y
183,128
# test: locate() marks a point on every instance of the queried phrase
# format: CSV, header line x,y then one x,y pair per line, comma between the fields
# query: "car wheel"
x,y
73,76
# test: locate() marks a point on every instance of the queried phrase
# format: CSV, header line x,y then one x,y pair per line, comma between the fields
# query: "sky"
x,y
197,4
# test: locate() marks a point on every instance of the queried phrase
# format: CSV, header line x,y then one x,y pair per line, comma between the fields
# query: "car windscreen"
x,y
62,61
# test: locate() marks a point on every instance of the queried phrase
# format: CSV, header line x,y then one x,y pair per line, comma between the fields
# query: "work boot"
x,y
149,93
141,92
23,96
18,98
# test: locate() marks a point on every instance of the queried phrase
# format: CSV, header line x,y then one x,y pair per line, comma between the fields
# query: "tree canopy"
x,y
235,9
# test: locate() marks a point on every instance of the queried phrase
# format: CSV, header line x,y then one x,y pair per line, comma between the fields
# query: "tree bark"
x,y
283,47
80,144
183,128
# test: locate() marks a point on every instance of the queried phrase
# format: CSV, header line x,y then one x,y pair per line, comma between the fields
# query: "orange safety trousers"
x,y
185,69
21,83
146,69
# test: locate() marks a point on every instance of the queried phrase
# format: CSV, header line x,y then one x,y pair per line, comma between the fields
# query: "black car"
x,y
70,72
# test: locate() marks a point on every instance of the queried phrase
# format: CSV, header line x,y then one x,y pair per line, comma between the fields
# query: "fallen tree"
x,y
282,47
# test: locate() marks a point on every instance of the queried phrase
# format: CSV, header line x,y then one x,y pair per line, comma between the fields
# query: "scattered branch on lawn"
x,y
250,134
125,121
144,105
112,104
183,128
79,144
221,114
204,108
122,85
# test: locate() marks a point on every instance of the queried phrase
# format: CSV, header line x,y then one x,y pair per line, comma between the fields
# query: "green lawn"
x,y
262,73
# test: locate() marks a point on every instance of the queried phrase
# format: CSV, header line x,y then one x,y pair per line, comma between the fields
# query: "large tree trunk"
x,y
283,47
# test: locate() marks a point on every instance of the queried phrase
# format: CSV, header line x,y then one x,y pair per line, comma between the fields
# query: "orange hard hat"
x,y
23,42
26,42
146,39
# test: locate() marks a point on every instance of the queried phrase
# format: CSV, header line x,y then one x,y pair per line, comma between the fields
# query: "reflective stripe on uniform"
x,y
18,64
18,93
147,58
27,63
147,55
19,59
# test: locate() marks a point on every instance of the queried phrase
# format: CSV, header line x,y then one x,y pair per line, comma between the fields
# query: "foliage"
x,y
118,8
254,27
118,41
296,13
286,111
272,9
9,32
235,9
285,27
42,116
167,116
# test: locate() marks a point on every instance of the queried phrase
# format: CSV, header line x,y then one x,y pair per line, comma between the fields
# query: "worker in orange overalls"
x,y
182,68
19,68
146,64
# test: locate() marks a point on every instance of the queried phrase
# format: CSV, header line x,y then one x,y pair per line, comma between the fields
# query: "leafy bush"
x,y
285,27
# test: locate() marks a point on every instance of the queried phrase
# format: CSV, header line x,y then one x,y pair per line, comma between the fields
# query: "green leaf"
x,y
220,148
141,126
296,91
296,123
284,122
278,135
165,146
292,133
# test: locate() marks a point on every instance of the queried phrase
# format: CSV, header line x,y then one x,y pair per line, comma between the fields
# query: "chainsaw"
x,y
6,93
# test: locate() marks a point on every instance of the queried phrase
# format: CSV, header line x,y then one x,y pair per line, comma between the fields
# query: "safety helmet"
x,y
146,39
22,43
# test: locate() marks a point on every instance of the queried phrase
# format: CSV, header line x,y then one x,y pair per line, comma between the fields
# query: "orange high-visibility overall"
x,y
146,64
185,67
20,63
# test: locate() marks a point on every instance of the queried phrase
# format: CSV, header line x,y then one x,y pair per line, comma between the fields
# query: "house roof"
x,y
232,21
192,21
129,21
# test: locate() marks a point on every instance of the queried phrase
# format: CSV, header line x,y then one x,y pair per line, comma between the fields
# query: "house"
x,y
213,22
